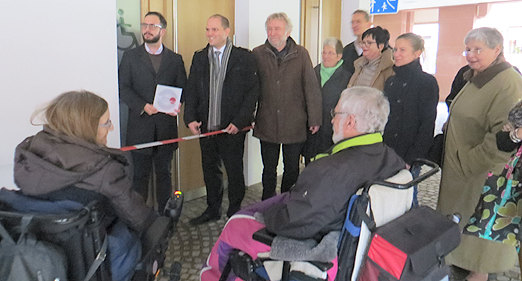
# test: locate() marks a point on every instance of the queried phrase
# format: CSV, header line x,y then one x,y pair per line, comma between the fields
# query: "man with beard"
x,y
318,202
141,70
289,102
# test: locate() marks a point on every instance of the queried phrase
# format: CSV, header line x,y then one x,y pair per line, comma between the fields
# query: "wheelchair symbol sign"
x,y
379,7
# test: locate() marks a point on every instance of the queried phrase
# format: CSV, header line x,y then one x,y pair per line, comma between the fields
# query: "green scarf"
x,y
351,142
327,72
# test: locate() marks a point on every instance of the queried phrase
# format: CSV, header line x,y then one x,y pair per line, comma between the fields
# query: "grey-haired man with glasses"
x,y
141,70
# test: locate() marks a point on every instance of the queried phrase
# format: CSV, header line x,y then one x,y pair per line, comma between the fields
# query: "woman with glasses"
x,y
333,80
375,65
476,114
413,95
69,160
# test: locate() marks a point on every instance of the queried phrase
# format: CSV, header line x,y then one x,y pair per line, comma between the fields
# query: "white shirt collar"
x,y
160,49
358,48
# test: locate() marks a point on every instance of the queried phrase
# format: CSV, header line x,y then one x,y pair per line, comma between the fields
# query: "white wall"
x,y
250,17
49,47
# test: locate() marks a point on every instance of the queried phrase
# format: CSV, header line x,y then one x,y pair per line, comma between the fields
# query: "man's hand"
x,y
194,127
231,129
149,109
314,129
175,113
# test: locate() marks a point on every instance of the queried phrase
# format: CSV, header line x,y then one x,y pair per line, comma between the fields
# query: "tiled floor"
x,y
191,245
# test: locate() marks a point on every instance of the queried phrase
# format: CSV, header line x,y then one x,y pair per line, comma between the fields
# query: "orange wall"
x,y
454,24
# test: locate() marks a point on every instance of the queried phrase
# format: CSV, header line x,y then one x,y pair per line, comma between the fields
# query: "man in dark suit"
x,y
360,23
221,93
141,70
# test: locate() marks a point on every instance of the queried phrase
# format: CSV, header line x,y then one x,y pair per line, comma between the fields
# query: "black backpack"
x,y
29,258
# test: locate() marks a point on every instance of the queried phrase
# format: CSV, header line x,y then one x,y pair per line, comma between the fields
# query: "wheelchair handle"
x,y
434,168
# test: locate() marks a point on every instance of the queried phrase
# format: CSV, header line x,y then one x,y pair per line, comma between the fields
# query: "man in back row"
x,y
360,23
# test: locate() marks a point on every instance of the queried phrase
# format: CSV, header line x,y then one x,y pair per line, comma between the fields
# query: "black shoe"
x,y
232,210
205,217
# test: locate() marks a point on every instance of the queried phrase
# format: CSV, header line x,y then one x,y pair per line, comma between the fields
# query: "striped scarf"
x,y
217,76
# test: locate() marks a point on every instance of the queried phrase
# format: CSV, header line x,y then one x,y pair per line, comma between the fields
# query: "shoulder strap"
x,y
102,254
5,235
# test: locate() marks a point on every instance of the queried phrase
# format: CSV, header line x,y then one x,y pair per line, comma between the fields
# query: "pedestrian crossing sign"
x,y
379,7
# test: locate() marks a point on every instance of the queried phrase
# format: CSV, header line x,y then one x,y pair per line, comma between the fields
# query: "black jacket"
x,y
318,202
349,56
413,96
137,84
49,162
239,94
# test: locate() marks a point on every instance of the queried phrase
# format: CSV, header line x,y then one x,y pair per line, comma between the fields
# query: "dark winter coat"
x,y
49,162
318,202
413,96
137,85
239,95
350,55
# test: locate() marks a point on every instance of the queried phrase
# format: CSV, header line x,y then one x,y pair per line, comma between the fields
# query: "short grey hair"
x,y
334,43
280,16
369,106
364,13
487,35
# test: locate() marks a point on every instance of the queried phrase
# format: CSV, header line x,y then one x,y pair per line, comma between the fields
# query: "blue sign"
x,y
379,7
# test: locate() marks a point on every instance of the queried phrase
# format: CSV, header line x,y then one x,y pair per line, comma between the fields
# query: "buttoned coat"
x,y
290,96
413,95
239,94
137,85
477,113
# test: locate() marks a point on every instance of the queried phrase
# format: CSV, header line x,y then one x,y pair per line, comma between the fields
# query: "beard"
x,y
337,132
154,39
336,137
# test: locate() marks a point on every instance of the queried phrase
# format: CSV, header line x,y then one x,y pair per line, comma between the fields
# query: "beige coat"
x,y
290,98
384,71
477,113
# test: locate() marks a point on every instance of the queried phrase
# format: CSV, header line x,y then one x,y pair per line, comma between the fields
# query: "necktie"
x,y
216,56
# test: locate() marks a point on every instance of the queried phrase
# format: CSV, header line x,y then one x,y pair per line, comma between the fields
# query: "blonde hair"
x,y
74,114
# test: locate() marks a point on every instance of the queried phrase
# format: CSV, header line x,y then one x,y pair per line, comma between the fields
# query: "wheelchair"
x,y
374,205
81,232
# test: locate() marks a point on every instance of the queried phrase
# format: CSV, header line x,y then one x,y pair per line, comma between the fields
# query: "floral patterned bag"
x,y
497,215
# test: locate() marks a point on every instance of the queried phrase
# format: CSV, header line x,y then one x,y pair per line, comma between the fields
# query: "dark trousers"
x,y
270,157
217,151
161,159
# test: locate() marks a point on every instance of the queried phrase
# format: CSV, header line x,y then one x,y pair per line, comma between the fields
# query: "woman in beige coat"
x,y
477,113
376,64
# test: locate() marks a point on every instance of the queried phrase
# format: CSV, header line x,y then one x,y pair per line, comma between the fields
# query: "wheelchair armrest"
x,y
323,266
157,233
264,236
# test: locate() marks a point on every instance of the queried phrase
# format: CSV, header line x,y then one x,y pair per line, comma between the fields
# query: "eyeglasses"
x,y
476,51
367,43
333,113
151,26
107,124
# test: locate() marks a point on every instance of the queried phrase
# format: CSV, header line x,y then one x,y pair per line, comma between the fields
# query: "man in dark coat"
x,y
351,52
141,70
221,93
318,202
